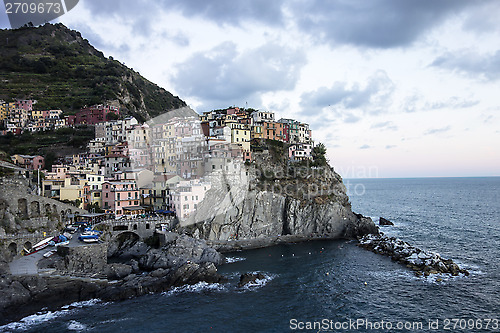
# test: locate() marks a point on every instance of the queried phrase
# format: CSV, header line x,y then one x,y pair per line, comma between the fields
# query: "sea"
x,y
335,286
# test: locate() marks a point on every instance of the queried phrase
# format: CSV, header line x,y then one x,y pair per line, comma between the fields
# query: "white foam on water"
x,y
259,283
76,326
196,288
230,260
30,321
43,317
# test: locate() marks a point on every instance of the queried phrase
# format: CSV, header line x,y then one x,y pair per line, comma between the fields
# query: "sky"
x,y
393,88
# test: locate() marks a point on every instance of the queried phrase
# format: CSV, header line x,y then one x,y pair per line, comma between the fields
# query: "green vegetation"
x,y
319,155
48,144
60,69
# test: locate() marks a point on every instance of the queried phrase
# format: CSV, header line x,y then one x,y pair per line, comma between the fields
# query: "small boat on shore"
x,y
40,245
90,238
49,254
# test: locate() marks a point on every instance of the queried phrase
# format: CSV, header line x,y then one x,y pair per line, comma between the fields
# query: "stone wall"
x,y
90,260
25,216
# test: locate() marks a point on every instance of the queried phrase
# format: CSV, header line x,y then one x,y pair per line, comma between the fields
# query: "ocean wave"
x,y
259,283
33,320
230,260
196,288
43,317
76,326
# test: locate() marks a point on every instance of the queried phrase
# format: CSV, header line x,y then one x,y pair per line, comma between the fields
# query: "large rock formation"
x,y
270,200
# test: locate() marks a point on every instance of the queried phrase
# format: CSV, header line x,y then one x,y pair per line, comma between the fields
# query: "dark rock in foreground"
x,y
182,260
250,278
422,262
384,221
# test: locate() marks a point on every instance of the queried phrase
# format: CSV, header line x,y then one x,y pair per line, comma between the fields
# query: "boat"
x,y
89,231
91,240
62,243
88,238
50,253
40,245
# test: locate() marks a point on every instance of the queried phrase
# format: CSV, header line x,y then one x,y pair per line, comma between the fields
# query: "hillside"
x,y
60,69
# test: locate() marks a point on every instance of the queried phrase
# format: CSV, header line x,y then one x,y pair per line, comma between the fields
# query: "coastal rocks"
x,y
313,205
180,250
383,221
117,271
126,247
83,259
423,263
250,278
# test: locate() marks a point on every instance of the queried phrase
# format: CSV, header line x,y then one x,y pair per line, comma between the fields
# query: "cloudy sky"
x,y
393,88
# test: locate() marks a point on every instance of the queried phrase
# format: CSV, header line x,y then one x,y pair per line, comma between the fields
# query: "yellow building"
x,y
73,189
240,135
257,132
5,109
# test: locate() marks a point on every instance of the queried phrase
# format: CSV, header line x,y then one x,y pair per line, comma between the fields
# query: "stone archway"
x,y
22,208
12,249
4,205
48,209
34,209
27,246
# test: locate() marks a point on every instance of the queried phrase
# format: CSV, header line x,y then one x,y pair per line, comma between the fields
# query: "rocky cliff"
x,y
272,200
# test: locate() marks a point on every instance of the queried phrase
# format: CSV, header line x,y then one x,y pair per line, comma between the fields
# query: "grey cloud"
x,y
386,125
471,64
4,19
484,18
416,102
222,12
351,118
374,23
224,75
372,98
437,130
365,147
454,103
390,146
230,12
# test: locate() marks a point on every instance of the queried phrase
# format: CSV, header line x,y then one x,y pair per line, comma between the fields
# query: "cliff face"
x,y
270,200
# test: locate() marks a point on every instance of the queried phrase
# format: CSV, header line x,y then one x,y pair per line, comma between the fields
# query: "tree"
x,y
319,155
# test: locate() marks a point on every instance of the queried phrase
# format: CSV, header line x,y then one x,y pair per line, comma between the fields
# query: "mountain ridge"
x,y
61,70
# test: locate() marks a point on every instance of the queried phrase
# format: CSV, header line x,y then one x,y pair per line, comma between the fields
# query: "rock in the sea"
x,y
414,258
383,221
250,278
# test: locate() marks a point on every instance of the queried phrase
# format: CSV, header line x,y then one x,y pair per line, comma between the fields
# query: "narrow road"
x,y
28,265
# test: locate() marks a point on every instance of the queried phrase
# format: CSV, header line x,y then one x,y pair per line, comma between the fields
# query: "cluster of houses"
x,y
244,126
164,165
19,116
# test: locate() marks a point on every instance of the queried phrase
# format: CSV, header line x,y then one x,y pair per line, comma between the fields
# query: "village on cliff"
x,y
133,169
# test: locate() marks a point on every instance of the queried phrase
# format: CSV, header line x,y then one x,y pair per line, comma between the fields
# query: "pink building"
x,y
24,104
120,198
95,114
70,120
29,162
300,152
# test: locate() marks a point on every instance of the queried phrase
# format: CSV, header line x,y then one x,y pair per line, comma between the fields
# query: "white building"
x,y
187,195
